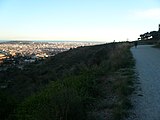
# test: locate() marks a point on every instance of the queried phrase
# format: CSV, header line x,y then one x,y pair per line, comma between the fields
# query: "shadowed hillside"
x,y
76,84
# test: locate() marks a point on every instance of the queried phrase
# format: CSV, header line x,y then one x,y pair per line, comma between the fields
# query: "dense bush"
x,y
66,99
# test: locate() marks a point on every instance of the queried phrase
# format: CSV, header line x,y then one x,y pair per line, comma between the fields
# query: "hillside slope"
x,y
78,78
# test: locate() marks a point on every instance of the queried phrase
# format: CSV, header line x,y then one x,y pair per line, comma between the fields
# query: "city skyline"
x,y
85,20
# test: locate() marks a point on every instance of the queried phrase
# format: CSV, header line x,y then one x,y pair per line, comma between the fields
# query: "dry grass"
x,y
118,85
123,77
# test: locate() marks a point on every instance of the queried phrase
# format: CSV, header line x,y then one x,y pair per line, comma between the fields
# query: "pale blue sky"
x,y
89,20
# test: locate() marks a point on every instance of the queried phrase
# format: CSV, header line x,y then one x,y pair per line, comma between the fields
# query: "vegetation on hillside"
x,y
76,84
152,37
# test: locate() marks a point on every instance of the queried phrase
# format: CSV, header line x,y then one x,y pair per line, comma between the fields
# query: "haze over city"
x,y
84,20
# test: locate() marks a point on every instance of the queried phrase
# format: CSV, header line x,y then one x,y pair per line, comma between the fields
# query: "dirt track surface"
x,y
146,99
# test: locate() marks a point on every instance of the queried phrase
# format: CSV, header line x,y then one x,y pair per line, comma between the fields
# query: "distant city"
x,y
20,53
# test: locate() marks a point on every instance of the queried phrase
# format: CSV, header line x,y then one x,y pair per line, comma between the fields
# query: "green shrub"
x,y
66,99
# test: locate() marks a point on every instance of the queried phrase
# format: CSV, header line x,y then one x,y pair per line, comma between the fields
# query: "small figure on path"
x,y
135,44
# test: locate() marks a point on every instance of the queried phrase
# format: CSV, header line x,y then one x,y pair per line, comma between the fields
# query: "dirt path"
x,y
146,100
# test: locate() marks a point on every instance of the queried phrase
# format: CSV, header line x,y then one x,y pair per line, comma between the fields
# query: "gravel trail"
x,y
146,99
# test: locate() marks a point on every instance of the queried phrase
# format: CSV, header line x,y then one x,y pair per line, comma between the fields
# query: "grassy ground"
x,y
123,84
87,83
118,84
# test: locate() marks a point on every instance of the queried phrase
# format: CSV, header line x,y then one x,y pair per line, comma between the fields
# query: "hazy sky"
x,y
95,20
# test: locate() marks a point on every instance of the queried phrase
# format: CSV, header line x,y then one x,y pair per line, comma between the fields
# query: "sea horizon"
x,y
1,41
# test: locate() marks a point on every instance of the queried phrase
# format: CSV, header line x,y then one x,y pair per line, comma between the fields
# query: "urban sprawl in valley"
x,y
20,53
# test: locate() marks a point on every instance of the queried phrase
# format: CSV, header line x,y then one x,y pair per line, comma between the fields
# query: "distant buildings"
x,y
20,53
2,57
